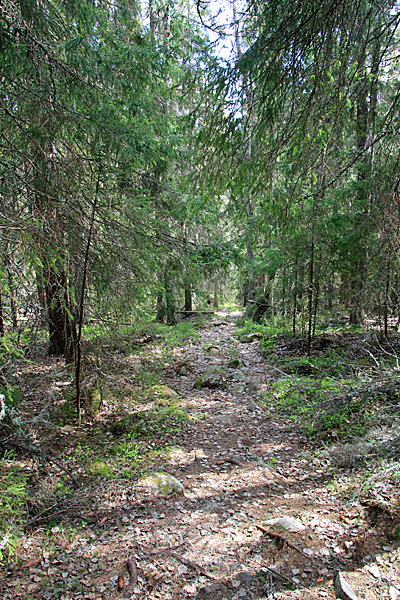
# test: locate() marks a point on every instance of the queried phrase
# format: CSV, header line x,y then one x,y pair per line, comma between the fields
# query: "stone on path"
x,y
253,386
342,588
250,337
236,363
287,523
245,578
162,484
212,591
211,378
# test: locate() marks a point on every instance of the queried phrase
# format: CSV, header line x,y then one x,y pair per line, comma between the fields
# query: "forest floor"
x,y
265,512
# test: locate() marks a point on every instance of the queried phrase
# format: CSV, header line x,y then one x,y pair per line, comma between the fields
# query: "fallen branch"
x,y
277,536
198,568
46,517
271,570
62,468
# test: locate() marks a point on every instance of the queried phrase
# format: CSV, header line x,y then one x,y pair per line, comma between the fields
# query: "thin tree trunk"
x,y
54,292
330,291
385,307
283,309
316,296
295,299
251,281
215,302
1,316
169,297
310,297
82,306
188,298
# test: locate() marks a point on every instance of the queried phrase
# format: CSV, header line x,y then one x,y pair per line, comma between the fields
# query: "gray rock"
x,y
238,375
236,363
253,386
163,484
245,578
211,378
246,339
183,371
237,388
342,588
250,337
213,591
287,523
213,351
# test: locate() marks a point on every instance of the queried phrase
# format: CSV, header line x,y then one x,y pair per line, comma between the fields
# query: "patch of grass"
x,y
318,406
179,334
165,418
65,412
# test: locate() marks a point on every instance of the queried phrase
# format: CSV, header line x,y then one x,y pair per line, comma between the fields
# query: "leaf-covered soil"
x,y
241,464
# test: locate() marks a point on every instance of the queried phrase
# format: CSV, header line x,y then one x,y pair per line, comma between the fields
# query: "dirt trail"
x,y
240,468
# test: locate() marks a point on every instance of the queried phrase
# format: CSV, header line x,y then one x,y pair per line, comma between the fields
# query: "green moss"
x,y
211,378
12,503
99,468
161,391
164,419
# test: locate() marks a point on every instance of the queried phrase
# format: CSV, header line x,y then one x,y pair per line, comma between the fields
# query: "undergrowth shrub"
x,y
321,405
12,503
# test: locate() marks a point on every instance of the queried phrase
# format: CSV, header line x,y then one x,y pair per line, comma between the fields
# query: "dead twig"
x,y
277,536
62,468
46,517
198,568
271,570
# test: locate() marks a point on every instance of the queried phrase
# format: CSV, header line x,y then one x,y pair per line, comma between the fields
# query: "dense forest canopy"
x,y
145,168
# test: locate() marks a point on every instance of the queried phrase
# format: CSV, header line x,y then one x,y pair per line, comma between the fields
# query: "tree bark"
x,y
1,316
215,302
169,297
251,283
54,292
188,298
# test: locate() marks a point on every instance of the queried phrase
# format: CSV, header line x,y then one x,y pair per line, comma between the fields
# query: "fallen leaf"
x,y
121,582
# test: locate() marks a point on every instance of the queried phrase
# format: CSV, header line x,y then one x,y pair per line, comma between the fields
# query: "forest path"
x,y
240,466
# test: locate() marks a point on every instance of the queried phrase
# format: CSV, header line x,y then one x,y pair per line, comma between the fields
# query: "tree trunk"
x,y
330,290
188,298
386,303
161,310
169,298
310,296
365,125
357,285
251,283
294,314
62,331
215,302
1,316
54,290
12,291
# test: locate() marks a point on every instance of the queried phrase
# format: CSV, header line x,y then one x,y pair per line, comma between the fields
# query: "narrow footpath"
x,y
262,514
